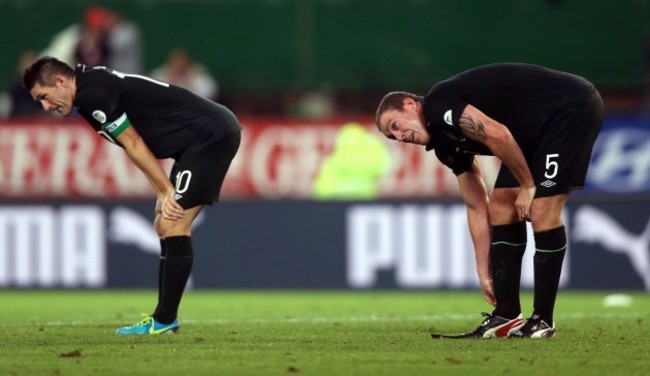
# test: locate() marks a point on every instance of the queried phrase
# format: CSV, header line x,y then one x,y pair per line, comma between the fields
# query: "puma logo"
x,y
130,227
592,225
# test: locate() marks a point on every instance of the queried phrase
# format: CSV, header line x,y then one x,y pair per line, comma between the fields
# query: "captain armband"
x,y
118,126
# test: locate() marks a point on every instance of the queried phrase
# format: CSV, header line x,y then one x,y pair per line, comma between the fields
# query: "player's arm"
x,y
482,128
474,193
144,159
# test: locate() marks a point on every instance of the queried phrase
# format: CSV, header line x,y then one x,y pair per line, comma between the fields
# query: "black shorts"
x,y
560,158
199,172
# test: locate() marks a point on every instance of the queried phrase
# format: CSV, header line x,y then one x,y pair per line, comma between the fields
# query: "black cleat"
x,y
492,326
535,327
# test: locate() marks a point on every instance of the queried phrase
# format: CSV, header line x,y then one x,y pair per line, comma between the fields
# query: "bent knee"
x,y
543,217
502,213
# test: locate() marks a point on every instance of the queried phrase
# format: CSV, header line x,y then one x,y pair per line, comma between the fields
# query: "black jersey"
x,y
169,119
525,98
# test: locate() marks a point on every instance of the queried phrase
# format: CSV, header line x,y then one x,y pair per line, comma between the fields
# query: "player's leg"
x,y
161,262
198,176
177,267
163,253
506,251
558,165
550,249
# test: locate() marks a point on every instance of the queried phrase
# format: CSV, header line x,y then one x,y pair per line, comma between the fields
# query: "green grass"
x,y
312,333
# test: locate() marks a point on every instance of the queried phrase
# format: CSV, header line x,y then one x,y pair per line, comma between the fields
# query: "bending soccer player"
x,y
542,125
151,120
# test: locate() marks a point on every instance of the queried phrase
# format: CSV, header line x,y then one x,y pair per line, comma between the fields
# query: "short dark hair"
x,y
43,72
394,101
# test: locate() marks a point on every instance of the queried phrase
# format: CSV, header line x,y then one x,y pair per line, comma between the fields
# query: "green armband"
x,y
118,126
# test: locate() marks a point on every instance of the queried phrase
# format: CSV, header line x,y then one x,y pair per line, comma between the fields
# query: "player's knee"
x,y
502,206
501,213
544,217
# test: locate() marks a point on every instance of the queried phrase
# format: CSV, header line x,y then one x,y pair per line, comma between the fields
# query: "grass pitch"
x,y
312,333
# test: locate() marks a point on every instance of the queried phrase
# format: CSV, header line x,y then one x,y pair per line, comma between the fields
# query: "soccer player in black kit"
x,y
542,125
151,120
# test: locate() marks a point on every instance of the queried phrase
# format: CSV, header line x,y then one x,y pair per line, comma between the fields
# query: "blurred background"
x,y
315,199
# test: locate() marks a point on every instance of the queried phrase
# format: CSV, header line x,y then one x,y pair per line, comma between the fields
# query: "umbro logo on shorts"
x,y
177,196
548,183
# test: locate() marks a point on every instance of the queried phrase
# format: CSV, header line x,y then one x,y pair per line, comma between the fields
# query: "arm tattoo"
x,y
473,129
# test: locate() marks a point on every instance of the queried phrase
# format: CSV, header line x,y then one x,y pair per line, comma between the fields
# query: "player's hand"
x,y
171,210
524,202
488,292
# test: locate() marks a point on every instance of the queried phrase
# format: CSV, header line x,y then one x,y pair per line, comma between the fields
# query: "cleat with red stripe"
x,y
491,327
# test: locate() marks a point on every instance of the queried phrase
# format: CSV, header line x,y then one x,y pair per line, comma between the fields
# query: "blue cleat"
x,y
149,325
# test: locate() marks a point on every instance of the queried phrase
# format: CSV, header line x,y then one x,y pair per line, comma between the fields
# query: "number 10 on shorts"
x,y
183,181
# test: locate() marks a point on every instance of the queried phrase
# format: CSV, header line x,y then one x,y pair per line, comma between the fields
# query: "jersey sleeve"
x,y
444,104
457,162
100,106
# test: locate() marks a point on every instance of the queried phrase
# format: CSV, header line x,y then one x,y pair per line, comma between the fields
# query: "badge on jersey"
x,y
99,116
447,118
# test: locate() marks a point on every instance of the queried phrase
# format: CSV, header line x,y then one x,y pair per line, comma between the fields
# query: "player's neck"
x,y
73,87
418,110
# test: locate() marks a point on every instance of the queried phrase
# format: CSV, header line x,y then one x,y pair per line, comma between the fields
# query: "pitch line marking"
x,y
328,320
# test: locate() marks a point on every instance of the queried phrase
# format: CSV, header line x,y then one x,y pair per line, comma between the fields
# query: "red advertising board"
x,y
278,159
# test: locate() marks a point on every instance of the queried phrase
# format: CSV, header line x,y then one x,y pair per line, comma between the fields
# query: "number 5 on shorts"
x,y
551,165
